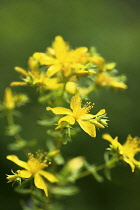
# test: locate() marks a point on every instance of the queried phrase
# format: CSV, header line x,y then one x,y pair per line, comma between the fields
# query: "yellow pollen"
x,y
83,110
38,163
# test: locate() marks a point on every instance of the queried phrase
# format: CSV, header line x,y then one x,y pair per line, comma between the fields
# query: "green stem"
x,y
109,164
10,121
9,115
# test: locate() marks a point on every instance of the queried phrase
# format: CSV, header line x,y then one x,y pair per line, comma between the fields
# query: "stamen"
x,y
87,107
37,162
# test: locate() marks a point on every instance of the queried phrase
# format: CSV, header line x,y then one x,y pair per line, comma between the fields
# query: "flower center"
x,y
82,111
37,164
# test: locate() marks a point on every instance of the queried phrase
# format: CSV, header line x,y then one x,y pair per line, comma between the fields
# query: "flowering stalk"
x,y
63,77
108,165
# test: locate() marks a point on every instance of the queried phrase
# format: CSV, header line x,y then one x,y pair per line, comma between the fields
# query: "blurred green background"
x,y
113,27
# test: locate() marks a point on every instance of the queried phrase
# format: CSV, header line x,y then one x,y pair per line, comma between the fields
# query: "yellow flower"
x,y
8,99
105,79
52,83
34,167
127,151
11,100
87,122
99,61
33,68
30,77
60,58
34,78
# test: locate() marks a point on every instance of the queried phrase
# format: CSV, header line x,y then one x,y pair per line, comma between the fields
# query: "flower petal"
x,y
44,59
130,162
71,87
24,173
88,127
75,103
107,137
22,71
9,99
115,144
70,119
52,83
97,124
17,83
39,183
60,47
59,110
101,112
17,161
48,176
87,116
53,70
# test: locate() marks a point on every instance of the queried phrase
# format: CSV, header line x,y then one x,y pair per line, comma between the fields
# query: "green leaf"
x,y
66,135
17,145
107,173
37,194
65,191
23,191
54,134
12,130
47,122
93,171
21,144
58,158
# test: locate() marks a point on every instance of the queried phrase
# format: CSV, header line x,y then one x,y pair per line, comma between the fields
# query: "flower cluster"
x,y
60,67
64,77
